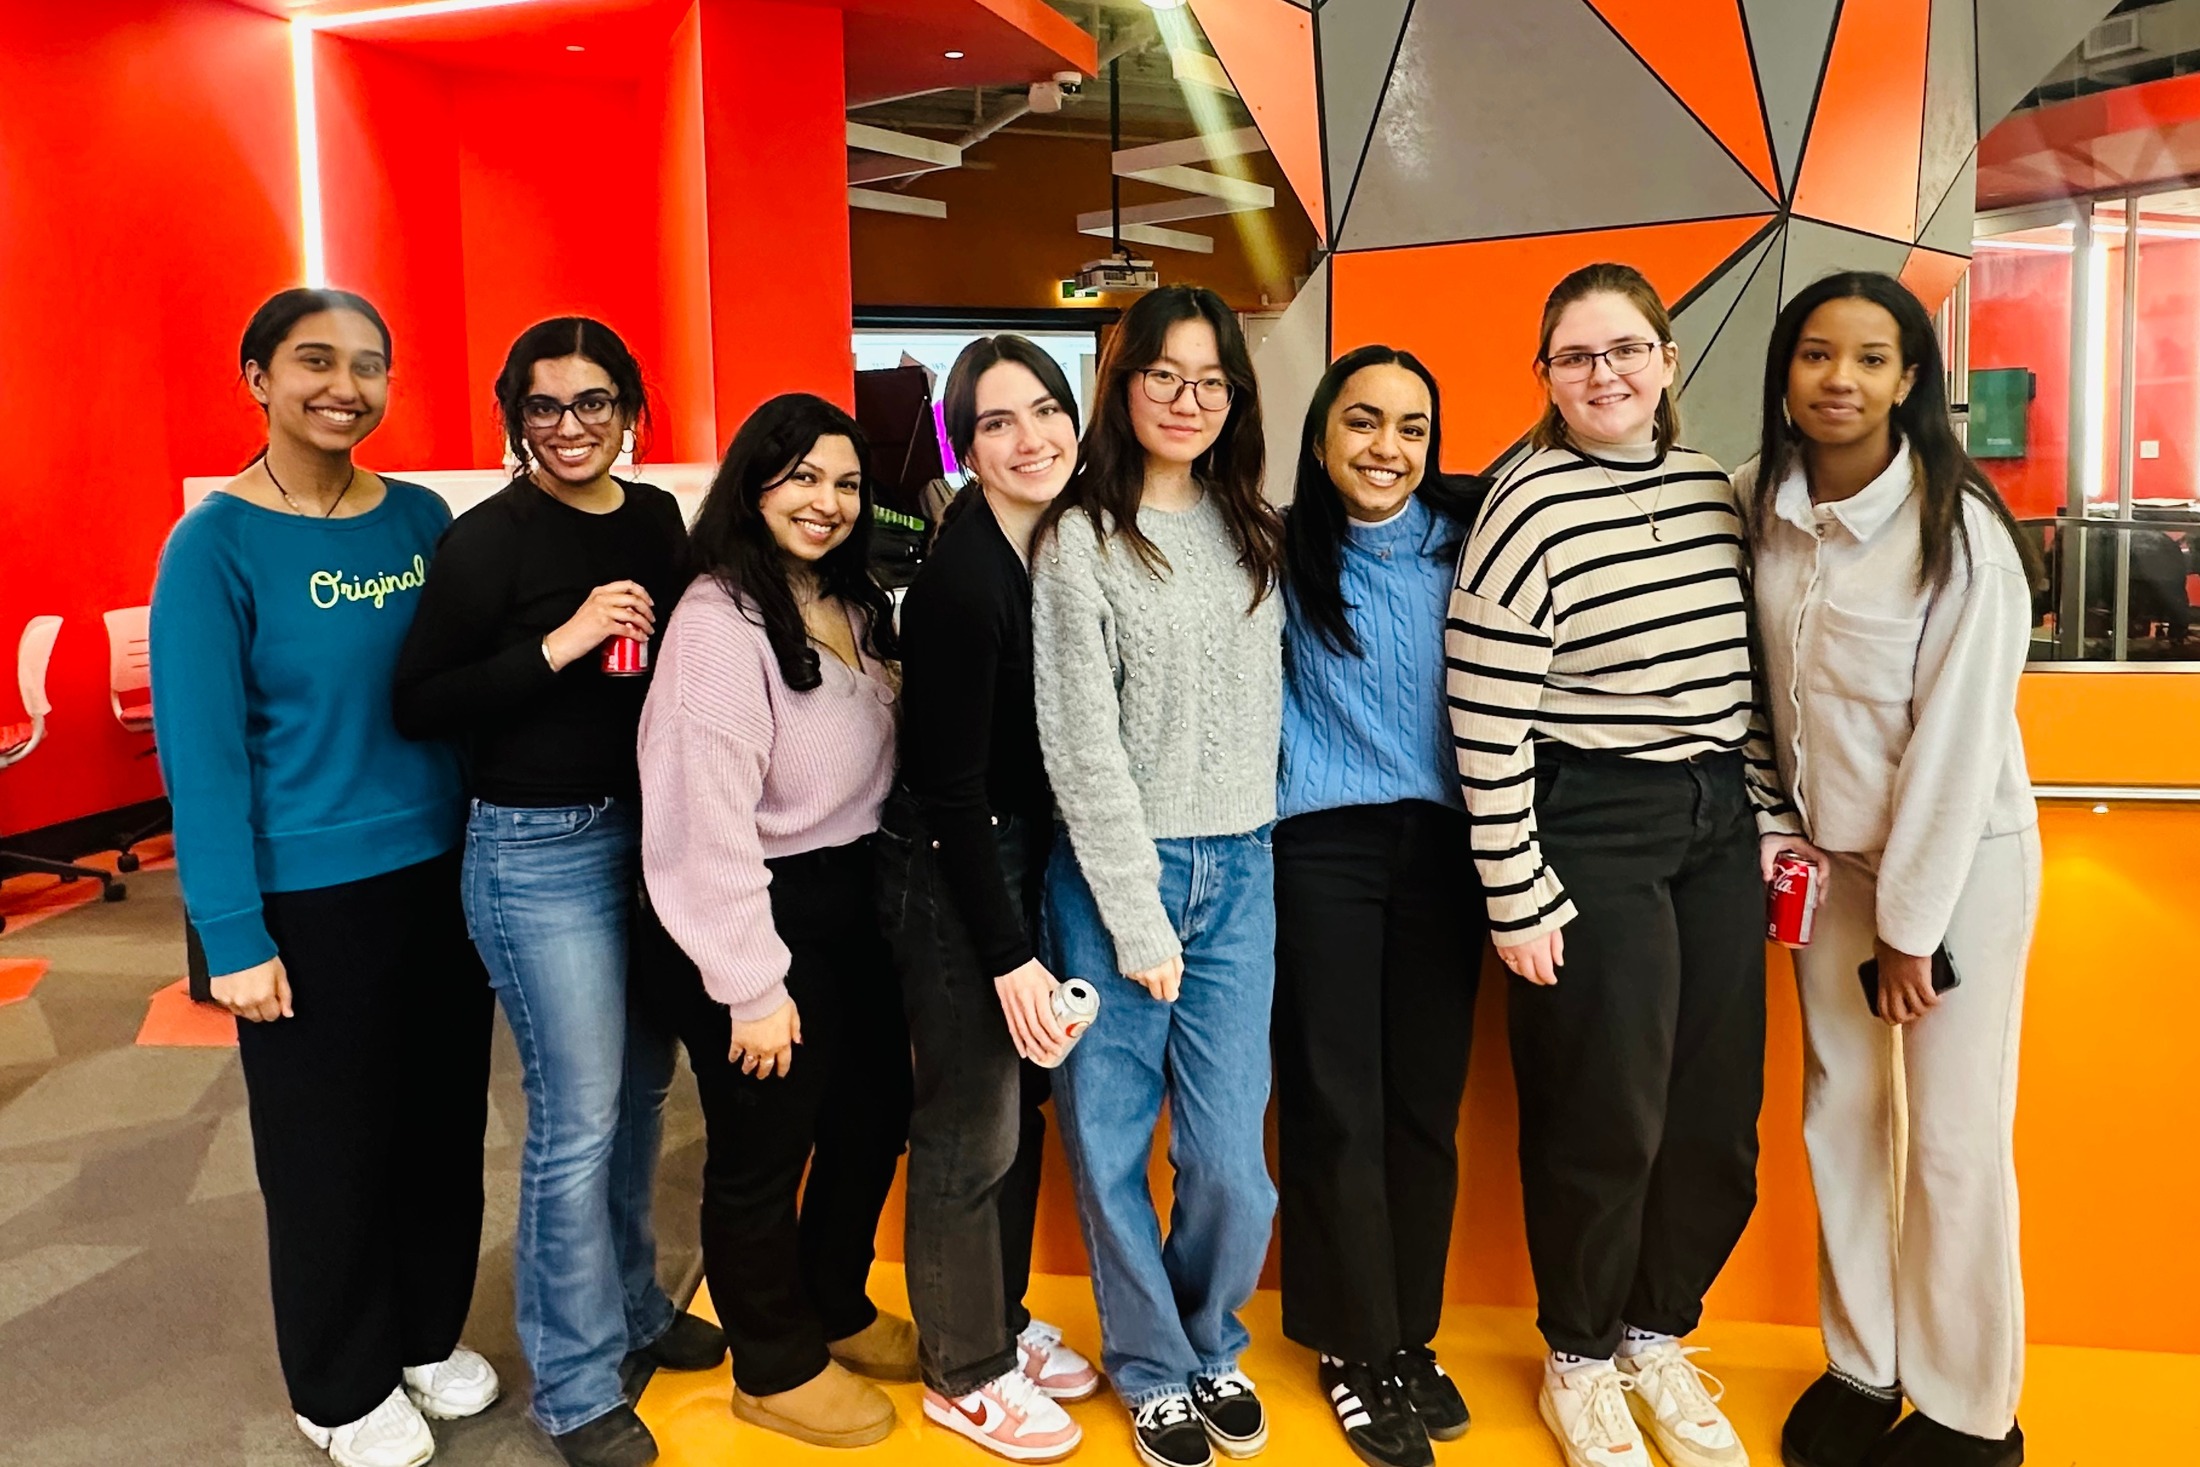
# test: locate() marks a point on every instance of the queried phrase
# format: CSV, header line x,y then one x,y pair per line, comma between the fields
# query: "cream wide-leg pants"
x,y
1920,1282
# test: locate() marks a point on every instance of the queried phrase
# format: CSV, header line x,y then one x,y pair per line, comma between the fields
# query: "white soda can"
x,y
1076,1003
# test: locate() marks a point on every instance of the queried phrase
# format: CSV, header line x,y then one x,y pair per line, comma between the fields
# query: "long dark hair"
x,y
280,314
1947,473
1550,430
569,336
734,545
1314,525
1111,469
959,399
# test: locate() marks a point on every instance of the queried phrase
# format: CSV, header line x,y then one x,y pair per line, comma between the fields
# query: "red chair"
x,y
130,694
33,655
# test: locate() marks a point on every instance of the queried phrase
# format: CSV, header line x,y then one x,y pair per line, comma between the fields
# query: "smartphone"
x,y
1944,977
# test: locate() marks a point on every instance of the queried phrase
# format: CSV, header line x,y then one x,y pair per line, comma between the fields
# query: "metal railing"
x,y
2117,589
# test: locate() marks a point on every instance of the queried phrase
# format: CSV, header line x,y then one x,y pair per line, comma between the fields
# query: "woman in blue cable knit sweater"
x,y
1379,911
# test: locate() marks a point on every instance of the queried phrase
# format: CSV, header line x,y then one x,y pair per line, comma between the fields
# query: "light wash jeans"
x,y
1168,1311
548,895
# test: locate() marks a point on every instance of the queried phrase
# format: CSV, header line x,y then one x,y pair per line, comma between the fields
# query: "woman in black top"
x,y
963,846
510,654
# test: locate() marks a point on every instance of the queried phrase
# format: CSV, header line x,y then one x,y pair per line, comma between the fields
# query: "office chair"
x,y
33,655
130,694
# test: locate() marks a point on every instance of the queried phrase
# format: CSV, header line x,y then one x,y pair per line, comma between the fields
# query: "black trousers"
x,y
977,1132
789,1261
367,1114
1379,930
1641,1071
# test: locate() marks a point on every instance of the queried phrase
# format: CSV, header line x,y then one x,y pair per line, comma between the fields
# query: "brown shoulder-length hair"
x,y
1601,279
1111,469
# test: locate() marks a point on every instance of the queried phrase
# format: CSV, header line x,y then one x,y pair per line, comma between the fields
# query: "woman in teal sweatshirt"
x,y
318,851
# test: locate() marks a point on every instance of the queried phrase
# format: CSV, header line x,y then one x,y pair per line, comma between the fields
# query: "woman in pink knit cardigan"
x,y
767,746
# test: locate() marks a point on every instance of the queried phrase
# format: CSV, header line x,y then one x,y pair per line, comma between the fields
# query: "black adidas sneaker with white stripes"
x,y
1378,1419
1440,1406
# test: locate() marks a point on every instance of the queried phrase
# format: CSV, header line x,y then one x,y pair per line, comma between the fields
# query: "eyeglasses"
x,y
590,409
1626,359
1163,385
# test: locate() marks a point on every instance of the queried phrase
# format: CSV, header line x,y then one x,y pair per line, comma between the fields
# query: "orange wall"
x,y
148,199
1010,235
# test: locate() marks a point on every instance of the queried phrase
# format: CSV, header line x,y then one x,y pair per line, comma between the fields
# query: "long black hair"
x,y
1947,473
1111,468
1314,525
734,545
569,336
959,399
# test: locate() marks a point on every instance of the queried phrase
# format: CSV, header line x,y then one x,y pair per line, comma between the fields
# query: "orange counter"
x,y
2108,1158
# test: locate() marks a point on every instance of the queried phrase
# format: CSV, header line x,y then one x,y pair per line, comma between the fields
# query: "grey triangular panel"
x,y
1482,133
1358,38
1789,40
1289,362
1815,249
2019,43
1699,321
1951,102
1949,227
1721,399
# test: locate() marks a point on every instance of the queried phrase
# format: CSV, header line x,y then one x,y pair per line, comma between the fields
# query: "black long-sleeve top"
x,y
505,575
969,736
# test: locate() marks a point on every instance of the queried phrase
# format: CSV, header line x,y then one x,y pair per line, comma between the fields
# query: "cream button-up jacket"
x,y
1893,705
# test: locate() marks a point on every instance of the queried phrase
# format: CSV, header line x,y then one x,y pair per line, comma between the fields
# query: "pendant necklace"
x,y
297,509
1650,515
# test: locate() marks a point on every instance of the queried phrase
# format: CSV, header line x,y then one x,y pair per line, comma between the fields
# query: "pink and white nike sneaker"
x,y
1010,1417
1053,1366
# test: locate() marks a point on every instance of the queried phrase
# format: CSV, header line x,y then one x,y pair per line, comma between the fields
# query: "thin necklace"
x,y
295,508
1650,515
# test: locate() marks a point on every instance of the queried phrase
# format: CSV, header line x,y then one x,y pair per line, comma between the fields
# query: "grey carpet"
x,y
134,1321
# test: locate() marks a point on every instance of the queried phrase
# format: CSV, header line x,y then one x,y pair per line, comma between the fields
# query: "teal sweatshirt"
x,y
274,644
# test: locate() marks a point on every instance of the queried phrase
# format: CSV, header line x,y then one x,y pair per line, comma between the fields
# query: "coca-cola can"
x,y
1076,1003
1791,901
625,656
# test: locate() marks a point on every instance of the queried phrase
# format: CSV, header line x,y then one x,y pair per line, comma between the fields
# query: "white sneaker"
x,y
1009,1416
449,1389
1681,1416
393,1434
1586,1409
1053,1366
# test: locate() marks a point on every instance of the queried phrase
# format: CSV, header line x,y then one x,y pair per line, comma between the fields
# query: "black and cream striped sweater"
x,y
1571,620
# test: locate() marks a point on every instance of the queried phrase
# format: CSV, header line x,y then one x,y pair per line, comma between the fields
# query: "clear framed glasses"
x,y
590,409
1626,359
1163,385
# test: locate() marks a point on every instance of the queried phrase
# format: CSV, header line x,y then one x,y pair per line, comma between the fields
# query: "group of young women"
x,y
1265,781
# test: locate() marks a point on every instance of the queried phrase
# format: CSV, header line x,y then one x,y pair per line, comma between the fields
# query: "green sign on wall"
x,y
2001,400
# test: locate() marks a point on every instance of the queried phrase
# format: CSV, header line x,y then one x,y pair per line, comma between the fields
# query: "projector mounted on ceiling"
x,y
1118,272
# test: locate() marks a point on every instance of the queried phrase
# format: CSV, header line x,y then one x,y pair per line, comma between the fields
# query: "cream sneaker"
x,y
463,1385
1681,1416
393,1434
1586,1409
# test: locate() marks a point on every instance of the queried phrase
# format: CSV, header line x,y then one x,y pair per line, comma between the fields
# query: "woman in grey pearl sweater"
x,y
1158,668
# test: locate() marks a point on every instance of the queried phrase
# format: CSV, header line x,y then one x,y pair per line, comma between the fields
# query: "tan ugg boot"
x,y
830,1409
884,1349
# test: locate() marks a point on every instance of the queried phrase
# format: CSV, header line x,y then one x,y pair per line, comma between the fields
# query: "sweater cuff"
x,y
1148,944
1778,822
235,943
762,1006
1558,917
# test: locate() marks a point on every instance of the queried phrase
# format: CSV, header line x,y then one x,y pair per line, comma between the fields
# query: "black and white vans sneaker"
x,y
1169,1434
1236,1421
1442,1409
1378,1420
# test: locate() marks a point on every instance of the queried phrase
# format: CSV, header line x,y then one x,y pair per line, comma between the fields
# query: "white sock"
x,y
1562,1363
1635,1341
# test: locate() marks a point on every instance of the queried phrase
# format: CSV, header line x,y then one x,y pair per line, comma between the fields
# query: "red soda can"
x,y
625,656
1791,901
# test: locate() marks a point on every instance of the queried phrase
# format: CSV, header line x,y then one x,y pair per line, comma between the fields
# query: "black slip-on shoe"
x,y
1378,1419
1920,1441
1836,1422
615,1439
693,1343
1442,1409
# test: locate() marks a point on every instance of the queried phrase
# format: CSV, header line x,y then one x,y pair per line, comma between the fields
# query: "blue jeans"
x,y
1168,1311
548,898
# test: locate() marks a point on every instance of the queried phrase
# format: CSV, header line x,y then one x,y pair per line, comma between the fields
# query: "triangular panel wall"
x,y
1930,275
1722,398
1480,135
1861,162
1699,49
1788,39
1267,47
1289,363
1699,322
1358,40
1816,250
1951,108
1948,228
2019,42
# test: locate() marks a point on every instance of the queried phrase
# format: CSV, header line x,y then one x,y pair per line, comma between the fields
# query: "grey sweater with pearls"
x,y
1160,705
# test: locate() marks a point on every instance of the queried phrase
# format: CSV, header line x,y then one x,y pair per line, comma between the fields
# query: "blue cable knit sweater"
x,y
1371,730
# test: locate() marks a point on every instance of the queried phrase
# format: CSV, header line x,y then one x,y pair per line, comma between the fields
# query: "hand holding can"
x,y
1076,1003
624,656
1791,901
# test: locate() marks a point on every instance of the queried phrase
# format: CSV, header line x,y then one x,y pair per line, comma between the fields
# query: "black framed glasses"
x,y
1626,359
590,409
1163,385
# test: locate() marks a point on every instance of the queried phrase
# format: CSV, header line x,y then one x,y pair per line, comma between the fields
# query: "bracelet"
x,y
546,657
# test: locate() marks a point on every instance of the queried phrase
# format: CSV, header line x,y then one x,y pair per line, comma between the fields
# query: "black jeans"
x,y
787,1278
977,1132
1641,1071
1379,930
367,1116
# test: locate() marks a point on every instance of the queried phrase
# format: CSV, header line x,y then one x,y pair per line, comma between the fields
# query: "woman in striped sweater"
x,y
1612,754
767,744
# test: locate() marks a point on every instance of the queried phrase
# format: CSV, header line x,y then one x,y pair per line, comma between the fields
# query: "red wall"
x,y
148,201
2020,317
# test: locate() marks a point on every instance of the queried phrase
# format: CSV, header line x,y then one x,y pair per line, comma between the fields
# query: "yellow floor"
x,y
1493,1353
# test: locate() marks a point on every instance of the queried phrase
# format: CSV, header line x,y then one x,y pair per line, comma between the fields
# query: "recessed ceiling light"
x,y
953,55
576,48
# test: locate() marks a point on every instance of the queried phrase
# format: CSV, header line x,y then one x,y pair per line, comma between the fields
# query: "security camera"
x,y
1070,83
